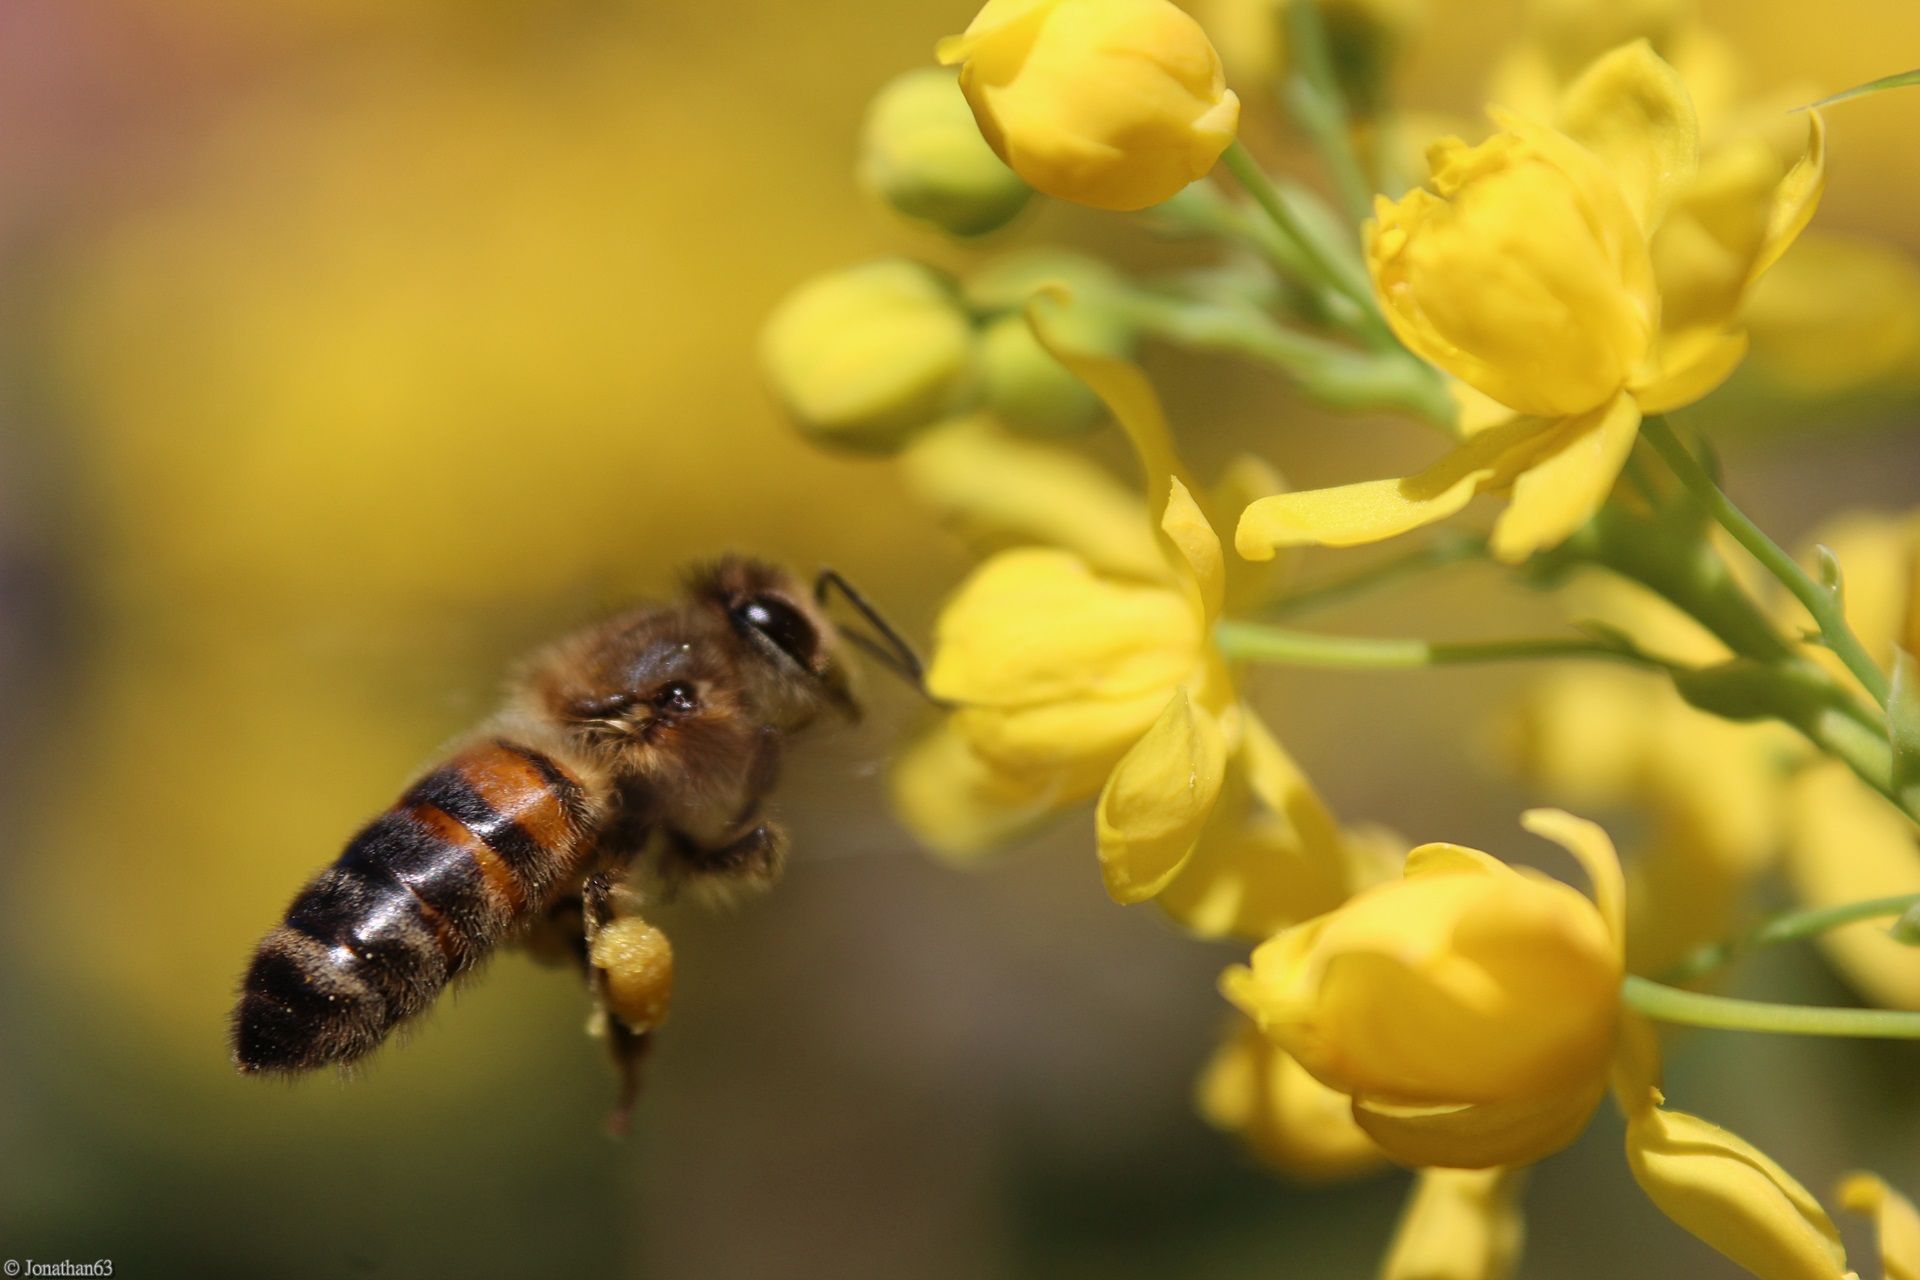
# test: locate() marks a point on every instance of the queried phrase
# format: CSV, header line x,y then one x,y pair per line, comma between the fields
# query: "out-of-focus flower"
x,y
1363,39
1845,843
1836,313
1562,38
1731,1195
1469,1010
865,357
1256,1091
1895,1220
1579,277
1112,103
1022,382
1599,739
1459,1224
922,153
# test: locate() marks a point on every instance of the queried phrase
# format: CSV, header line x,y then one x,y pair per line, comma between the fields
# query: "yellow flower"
x,y
1459,1224
921,152
1895,1221
1469,1010
1723,1190
1113,103
865,357
1579,277
1086,665
1845,843
1564,37
1255,1090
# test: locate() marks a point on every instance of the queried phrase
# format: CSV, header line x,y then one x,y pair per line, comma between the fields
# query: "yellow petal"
x,y
1291,1121
958,805
1561,490
1199,547
1481,1135
1592,848
1440,858
1705,251
1797,196
1036,625
1377,509
1689,370
995,490
1729,1194
1896,1222
1158,800
1847,844
1459,1224
1631,109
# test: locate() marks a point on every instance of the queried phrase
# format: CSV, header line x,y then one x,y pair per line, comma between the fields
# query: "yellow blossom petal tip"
x,y
1459,1224
1158,800
1896,1222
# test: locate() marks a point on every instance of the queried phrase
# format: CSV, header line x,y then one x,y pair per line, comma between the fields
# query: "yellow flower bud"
x,y
863,358
1729,1194
1026,387
1459,1224
922,153
1522,272
1113,103
636,961
1256,1091
1469,1009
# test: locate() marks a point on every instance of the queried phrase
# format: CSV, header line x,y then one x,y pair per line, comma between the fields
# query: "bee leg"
x,y
753,860
601,907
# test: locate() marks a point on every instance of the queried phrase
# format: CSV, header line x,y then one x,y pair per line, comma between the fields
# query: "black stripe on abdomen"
x,y
448,790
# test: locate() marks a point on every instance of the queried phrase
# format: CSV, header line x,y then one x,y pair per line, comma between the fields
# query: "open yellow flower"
x,y
1470,1010
1088,666
1578,277
1113,103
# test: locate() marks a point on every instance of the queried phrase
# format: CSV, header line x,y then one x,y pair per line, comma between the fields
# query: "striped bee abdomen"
x,y
420,895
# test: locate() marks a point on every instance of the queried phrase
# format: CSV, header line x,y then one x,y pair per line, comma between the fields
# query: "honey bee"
x,y
630,761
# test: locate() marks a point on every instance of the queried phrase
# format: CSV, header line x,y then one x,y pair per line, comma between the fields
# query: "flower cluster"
x,y
1604,254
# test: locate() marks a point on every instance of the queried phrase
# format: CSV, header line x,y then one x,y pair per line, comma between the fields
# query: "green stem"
x,y
1332,269
1442,551
1823,603
1314,97
1670,1004
1261,642
1790,927
1334,374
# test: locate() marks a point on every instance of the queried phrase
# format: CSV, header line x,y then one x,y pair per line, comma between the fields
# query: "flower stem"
x,y
1670,1004
1265,643
1333,269
1314,97
1821,601
1789,927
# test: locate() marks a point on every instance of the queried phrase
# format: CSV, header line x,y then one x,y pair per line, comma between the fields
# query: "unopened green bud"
x,y
865,357
1007,283
1026,387
922,153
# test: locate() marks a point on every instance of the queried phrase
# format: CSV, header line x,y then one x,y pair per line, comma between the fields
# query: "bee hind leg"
x,y
630,973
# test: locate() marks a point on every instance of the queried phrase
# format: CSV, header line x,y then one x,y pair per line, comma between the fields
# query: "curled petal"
x,y
1562,489
1689,369
1592,848
1729,1194
1199,547
1378,509
1632,110
1481,1135
1896,1222
1158,800
958,804
1798,195
1460,1224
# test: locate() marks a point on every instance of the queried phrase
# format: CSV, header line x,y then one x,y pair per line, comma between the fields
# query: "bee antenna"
x,y
892,650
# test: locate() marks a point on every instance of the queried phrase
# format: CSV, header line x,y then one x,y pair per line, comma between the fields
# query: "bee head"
x,y
794,652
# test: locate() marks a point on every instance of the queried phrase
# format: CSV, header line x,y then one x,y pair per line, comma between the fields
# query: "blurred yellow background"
x,y
351,347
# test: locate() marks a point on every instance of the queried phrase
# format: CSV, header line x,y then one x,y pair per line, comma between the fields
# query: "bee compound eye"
x,y
781,623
